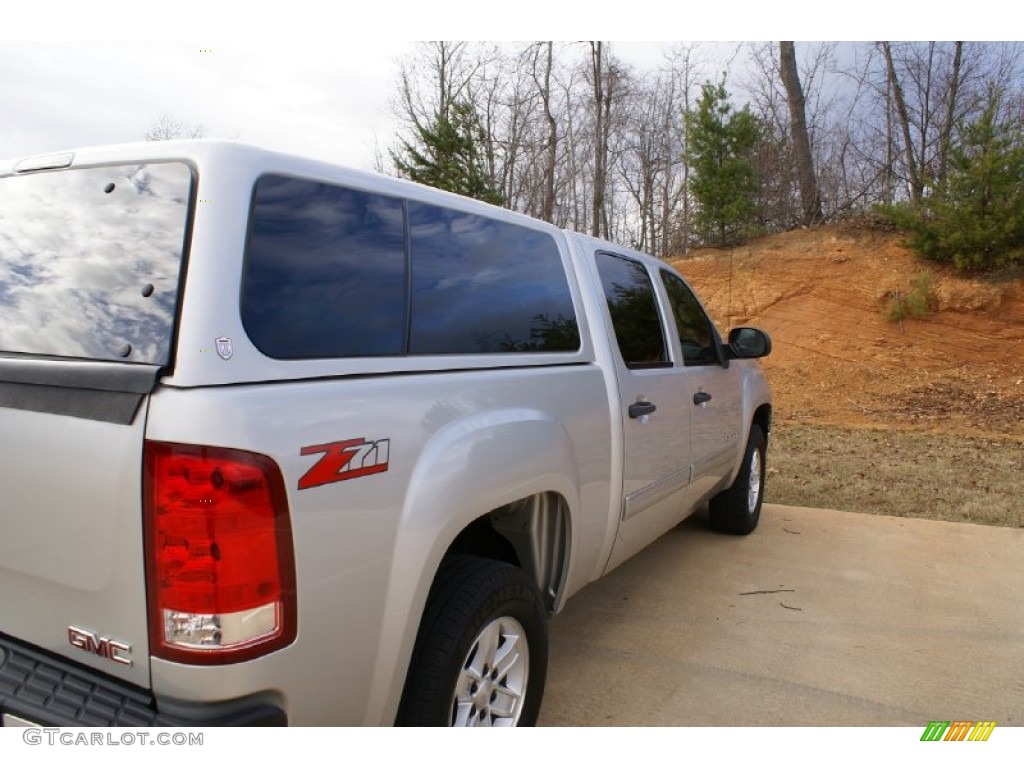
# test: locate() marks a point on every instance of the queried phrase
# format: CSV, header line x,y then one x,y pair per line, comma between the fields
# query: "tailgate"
x,y
90,268
71,555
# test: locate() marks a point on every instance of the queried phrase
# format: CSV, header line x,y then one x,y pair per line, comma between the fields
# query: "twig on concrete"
x,y
790,607
767,591
789,531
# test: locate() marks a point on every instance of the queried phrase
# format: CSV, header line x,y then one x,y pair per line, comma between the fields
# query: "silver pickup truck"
x,y
285,443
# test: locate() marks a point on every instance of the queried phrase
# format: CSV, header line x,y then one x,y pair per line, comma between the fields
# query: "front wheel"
x,y
737,509
481,652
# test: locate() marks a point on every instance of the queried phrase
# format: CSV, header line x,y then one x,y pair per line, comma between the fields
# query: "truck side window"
x,y
325,271
695,330
336,272
480,285
634,311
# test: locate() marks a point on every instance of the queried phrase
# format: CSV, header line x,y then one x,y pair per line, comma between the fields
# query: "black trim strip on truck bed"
x,y
49,691
84,389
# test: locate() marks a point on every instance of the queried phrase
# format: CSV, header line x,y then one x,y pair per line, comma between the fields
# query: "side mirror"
x,y
748,343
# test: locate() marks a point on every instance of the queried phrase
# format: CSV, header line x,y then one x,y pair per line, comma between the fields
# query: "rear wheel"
x,y
481,652
737,509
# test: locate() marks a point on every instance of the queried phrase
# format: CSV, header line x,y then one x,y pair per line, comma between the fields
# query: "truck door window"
x,y
634,311
696,335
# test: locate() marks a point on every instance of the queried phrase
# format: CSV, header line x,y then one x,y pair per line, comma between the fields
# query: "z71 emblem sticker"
x,y
345,460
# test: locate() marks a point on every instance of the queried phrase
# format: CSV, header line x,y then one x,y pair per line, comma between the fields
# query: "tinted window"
x,y
480,285
89,261
634,311
325,271
693,326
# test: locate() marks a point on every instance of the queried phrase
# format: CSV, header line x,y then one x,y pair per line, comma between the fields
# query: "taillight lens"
x,y
219,563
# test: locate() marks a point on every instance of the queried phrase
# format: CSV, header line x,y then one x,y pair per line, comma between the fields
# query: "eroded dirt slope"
x,y
823,294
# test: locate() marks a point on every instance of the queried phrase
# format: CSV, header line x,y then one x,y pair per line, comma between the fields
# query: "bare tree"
x,y
607,78
542,61
935,86
651,165
684,67
947,129
809,196
902,113
578,139
431,79
602,105
167,127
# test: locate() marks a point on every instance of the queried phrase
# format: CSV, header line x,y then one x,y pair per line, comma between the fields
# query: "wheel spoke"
x,y
481,657
491,687
754,481
460,715
507,655
505,701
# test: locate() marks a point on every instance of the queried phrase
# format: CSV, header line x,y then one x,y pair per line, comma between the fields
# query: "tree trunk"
x,y
913,172
810,198
548,209
947,128
600,146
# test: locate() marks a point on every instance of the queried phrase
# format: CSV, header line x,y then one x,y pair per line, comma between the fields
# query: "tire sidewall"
x,y
468,594
730,509
523,606
755,446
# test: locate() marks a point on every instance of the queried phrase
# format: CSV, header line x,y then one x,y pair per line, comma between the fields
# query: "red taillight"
x,y
219,565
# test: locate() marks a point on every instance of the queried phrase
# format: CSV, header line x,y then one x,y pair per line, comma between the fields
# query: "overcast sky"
x,y
330,101
314,78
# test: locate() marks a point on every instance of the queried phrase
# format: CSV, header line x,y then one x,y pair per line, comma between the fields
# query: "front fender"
x,y
756,393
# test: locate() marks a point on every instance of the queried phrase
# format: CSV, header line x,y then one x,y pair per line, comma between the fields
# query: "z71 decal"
x,y
345,460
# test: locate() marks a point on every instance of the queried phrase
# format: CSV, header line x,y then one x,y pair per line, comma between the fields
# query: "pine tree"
x,y
723,179
447,155
975,218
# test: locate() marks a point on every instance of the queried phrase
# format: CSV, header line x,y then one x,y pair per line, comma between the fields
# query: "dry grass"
x,y
940,477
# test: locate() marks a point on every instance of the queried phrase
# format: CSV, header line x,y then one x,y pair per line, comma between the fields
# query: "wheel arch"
x,y
531,533
502,485
763,418
757,409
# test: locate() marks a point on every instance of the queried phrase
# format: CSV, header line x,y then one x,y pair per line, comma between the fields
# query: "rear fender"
x,y
472,466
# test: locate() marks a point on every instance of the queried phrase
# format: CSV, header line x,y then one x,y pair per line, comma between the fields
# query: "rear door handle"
x,y
701,397
641,408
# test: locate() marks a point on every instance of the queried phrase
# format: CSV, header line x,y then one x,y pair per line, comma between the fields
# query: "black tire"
x,y
737,509
479,611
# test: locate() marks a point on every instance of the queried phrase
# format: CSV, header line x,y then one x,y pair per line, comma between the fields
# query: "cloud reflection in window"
x,y
78,249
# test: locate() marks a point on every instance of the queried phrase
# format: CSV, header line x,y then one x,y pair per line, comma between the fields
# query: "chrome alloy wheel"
x,y
754,482
491,688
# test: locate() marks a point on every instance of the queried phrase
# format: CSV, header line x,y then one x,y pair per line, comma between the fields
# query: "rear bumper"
x,y
47,690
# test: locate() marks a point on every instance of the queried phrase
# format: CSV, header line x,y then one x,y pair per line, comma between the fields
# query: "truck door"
x,y
713,390
656,412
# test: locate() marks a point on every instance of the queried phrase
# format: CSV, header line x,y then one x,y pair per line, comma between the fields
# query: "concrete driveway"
x,y
817,618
